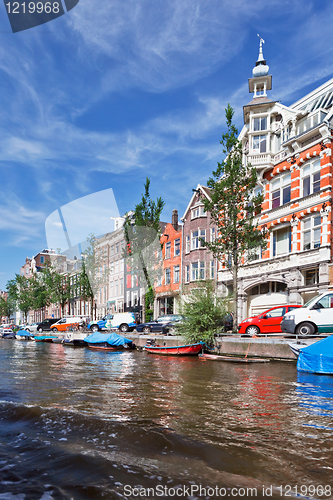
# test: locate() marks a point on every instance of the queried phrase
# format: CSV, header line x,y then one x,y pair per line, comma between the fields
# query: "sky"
x,y
113,92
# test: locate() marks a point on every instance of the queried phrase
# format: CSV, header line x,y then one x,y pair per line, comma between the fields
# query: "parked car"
x,y
316,316
30,327
46,324
124,322
266,322
161,324
64,324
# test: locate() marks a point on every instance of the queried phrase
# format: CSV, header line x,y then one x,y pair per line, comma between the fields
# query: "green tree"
x,y
142,234
19,291
204,311
233,208
40,289
94,272
7,307
57,287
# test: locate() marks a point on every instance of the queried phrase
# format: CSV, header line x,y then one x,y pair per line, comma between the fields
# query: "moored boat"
x,y
232,359
108,342
317,357
178,350
24,335
45,338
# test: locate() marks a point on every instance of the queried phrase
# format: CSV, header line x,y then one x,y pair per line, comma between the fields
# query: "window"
x,y
212,234
202,271
168,276
311,178
195,240
259,143
111,289
276,313
198,212
260,123
176,274
311,276
42,260
121,286
311,232
326,302
135,299
116,287
128,299
255,254
281,241
307,123
187,274
117,248
112,250
168,250
281,191
212,270
177,247
195,271
188,244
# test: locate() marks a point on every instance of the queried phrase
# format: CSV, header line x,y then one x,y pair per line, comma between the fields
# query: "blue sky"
x,y
114,91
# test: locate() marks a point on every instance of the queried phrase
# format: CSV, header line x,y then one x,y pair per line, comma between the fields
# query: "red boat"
x,y
178,350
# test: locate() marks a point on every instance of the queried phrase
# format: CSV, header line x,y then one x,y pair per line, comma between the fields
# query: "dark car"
x,y
159,325
46,324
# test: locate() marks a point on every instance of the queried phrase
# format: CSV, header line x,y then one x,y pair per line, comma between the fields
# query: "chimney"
x,y
175,219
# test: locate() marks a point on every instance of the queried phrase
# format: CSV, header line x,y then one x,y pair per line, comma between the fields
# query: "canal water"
x,y
82,424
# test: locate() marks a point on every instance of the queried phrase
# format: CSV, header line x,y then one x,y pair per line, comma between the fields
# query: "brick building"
x,y
291,148
197,262
167,291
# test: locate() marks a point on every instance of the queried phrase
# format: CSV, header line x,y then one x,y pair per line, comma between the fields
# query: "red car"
x,y
266,322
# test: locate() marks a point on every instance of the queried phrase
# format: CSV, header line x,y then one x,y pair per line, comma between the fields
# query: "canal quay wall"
x,y
235,345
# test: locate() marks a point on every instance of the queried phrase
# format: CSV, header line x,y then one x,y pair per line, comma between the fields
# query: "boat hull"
x,y
104,346
232,359
183,350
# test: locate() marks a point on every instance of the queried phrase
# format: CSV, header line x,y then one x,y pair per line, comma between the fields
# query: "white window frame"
x,y
167,250
187,244
280,185
194,271
311,226
198,211
195,243
260,139
187,274
275,253
258,122
176,274
177,241
310,170
167,276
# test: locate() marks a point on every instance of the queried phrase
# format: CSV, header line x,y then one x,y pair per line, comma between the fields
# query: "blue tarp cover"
x,y
317,358
23,332
112,339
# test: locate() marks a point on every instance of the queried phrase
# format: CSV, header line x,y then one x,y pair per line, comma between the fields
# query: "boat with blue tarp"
x,y
317,357
110,342
24,335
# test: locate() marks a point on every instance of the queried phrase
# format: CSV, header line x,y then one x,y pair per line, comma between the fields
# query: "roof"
x,y
321,97
205,191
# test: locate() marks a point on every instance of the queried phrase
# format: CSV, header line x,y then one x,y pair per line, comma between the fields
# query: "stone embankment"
x,y
236,345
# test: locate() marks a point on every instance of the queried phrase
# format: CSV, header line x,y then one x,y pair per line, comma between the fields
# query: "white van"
x,y
316,316
124,322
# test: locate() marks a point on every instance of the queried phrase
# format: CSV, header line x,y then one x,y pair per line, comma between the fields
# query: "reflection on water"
x,y
134,418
